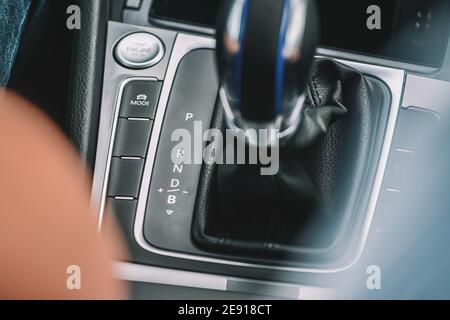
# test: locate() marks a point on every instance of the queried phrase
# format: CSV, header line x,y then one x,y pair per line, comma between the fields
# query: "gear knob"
x,y
265,50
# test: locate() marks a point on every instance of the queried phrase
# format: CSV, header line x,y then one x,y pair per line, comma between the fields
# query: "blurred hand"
x,y
45,220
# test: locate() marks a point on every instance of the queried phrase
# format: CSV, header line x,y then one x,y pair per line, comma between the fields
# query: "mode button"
x,y
140,99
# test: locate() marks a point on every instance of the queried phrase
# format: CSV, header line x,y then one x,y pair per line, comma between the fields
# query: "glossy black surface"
x,y
414,31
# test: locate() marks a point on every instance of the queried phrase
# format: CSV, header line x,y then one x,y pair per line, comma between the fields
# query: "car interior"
x,y
357,91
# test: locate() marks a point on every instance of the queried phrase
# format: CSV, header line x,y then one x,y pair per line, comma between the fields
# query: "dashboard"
x,y
402,30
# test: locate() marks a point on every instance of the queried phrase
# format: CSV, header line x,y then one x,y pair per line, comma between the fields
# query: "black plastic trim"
x,y
86,79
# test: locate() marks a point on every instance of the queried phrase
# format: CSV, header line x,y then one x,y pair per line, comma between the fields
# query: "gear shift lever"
x,y
311,211
265,50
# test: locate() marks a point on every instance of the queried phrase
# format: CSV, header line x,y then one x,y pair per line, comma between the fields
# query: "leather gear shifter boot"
x,y
313,206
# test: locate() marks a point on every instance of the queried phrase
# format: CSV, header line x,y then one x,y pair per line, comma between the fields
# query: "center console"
x,y
160,75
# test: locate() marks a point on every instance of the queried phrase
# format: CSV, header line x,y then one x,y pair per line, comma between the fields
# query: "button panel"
x,y
414,130
133,132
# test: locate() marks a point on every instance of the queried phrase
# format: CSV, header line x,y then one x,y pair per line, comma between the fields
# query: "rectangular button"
x,y
122,207
125,177
133,4
132,138
400,171
415,128
124,212
140,99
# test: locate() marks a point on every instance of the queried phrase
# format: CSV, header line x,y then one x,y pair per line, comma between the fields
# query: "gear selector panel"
x,y
173,187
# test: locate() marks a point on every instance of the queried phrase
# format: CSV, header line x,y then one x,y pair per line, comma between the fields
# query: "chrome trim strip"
x,y
186,43
372,60
124,198
140,273
404,151
177,26
138,119
147,274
